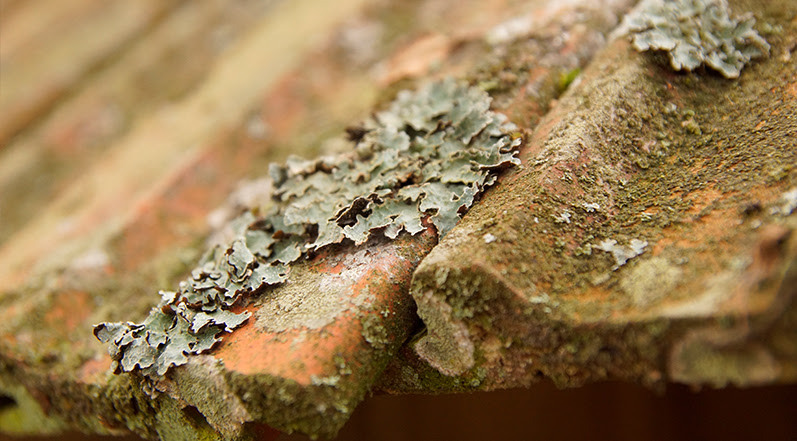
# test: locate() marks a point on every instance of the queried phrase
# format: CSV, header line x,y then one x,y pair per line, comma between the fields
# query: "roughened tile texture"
x,y
646,236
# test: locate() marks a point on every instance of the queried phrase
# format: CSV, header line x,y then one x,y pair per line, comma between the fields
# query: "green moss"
x,y
567,78
22,414
318,410
182,423
738,365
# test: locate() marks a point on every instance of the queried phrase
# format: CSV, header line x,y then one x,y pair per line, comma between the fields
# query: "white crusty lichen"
x,y
427,156
788,203
622,253
695,32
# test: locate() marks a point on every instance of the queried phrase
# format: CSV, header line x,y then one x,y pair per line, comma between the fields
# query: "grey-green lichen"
x,y
696,32
428,155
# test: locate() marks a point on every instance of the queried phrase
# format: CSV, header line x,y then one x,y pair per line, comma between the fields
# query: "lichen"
x,y
427,156
621,253
696,32
788,203
374,332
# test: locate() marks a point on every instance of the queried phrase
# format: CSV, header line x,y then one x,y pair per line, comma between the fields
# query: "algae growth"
x,y
428,155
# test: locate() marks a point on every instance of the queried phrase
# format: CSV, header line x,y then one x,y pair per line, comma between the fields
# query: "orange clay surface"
x,y
301,353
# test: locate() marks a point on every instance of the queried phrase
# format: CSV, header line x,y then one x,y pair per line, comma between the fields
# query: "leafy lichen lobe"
x,y
696,32
429,154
